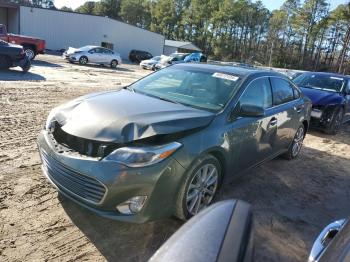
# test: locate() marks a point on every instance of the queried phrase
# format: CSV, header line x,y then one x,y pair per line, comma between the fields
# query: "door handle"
x,y
298,108
273,122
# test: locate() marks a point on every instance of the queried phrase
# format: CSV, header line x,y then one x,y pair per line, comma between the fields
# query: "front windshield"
x,y
326,82
156,58
192,87
86,48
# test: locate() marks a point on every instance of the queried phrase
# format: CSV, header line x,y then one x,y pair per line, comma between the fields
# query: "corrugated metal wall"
x,y
63,29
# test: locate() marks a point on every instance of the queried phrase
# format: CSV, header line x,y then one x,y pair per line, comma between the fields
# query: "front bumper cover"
x,y
158,182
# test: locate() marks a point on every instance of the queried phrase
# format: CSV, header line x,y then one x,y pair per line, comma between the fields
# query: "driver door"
x,y
347,102
95,55
253,138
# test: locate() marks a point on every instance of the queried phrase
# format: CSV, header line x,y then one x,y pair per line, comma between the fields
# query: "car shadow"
x,y
38,62
120,241
18,75
343,135
293,201
121,69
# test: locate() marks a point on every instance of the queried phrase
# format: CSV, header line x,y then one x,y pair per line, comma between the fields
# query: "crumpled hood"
x,y
124,116
322,97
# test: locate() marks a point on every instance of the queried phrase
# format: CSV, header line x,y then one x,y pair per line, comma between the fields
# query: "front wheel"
x,y
297,144
114,64
336,121
83,60
198,190
26,66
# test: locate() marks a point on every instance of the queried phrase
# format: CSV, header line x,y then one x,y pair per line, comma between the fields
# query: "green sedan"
x,y
163,145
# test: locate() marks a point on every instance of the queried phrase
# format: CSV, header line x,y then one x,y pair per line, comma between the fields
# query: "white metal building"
x,y
172,46
64,29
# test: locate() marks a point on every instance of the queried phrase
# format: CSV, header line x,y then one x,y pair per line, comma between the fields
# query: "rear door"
x,y
287,108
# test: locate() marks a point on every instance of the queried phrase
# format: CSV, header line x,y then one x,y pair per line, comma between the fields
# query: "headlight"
x,y
142,156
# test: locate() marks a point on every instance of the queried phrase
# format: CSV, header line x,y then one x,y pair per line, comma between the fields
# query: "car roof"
x,y
229,69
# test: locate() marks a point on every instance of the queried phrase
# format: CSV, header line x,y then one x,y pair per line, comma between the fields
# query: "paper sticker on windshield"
x,y
337,78
225,76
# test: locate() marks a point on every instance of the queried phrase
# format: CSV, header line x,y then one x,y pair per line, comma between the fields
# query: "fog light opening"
x,y
132,206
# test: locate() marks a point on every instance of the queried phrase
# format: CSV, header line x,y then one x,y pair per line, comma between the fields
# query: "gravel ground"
x,y
292,200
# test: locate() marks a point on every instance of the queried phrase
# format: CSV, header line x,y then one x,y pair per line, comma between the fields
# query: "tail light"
x,y
42,45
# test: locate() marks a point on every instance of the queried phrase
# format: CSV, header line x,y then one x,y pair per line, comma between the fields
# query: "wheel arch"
x,y
30,45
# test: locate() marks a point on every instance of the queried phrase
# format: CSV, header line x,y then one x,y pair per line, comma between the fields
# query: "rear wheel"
x,y
29,52
114,63
297,144
199,188
5,62
336,121
83,60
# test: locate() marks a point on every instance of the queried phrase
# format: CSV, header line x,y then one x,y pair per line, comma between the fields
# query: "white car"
x,y
94,55
150,63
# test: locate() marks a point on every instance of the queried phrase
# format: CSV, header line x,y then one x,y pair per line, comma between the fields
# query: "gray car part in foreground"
x,y
222,232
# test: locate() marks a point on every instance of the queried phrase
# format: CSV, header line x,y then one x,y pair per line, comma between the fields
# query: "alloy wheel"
x,y
202,189
298,141
114,64
30,53
83,61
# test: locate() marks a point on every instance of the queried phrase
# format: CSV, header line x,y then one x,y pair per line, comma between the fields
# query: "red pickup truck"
x,y
32,46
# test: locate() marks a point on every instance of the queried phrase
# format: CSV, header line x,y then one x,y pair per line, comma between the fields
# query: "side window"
x,y
2,31
258,93
282,91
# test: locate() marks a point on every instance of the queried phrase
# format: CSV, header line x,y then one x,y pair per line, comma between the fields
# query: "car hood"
x,y
322,97
124,116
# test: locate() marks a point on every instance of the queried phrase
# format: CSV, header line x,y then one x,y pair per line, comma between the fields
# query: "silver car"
x,y
150,63
93,54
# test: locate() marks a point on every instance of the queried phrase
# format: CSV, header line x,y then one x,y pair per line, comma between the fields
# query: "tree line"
x,y
301,34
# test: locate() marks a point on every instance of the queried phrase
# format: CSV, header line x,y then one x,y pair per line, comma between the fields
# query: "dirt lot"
x,y
292,200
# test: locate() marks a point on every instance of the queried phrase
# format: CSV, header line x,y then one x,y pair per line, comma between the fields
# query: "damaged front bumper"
x,y
101,186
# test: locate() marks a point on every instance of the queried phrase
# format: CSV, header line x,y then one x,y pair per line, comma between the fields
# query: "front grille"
x,y
83,186
83,146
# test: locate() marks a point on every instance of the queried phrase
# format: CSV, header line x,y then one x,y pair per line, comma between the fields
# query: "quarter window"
x,y
258,93
283,91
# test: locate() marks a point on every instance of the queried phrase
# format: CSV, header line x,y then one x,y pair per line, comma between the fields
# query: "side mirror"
x,y
251,111
221,232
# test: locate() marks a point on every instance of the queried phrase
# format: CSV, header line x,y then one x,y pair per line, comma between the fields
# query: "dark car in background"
x,y
136,56
163,145
330,96
12,55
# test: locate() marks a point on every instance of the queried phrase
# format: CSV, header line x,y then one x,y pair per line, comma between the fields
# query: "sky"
x,y
270,4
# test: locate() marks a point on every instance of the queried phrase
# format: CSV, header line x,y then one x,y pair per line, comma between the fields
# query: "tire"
x,y
30,52
295,148
192,192
26,67
83,60
337,120
5,62
114,63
